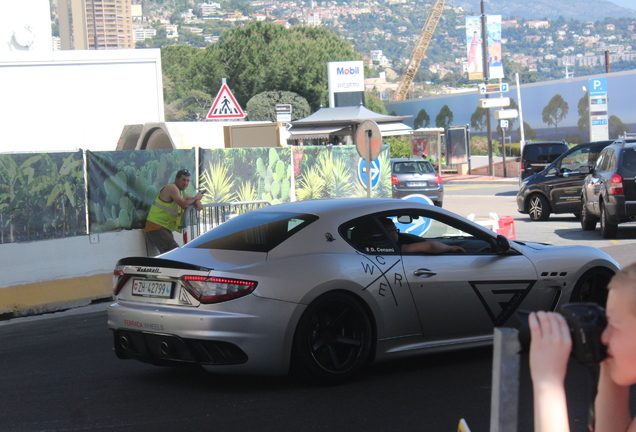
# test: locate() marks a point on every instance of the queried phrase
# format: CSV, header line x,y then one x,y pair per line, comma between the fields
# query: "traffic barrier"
x,y
507,227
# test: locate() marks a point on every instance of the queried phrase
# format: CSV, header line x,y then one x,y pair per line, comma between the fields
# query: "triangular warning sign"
x,y
225,106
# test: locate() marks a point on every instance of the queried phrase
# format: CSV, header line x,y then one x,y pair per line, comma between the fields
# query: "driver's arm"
x,y
432,247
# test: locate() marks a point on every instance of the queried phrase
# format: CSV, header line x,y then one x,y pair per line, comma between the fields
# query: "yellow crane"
x,y
423,40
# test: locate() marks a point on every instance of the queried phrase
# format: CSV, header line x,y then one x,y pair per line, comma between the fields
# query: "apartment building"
x,y
96,24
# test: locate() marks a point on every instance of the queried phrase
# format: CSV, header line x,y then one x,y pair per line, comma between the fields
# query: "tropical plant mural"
x,y
41,196
122,185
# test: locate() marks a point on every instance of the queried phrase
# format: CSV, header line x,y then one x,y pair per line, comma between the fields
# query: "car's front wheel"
x,y
588,221
538,208
608,229
333,339
592,286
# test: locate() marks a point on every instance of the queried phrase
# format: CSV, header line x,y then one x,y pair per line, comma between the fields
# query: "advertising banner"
x,y
474,47
346,83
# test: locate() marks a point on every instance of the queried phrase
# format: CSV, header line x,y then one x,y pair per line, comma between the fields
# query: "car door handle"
x,y
424,273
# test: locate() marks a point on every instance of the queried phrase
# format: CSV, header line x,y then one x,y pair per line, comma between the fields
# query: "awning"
x,y
315,132
390,129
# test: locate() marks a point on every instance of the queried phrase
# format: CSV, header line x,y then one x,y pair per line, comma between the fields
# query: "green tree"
x,y
262,107
529,133
445,117
616,127
374,103
583,109
400,146
478,118
422,120
555,111
191,107
262,57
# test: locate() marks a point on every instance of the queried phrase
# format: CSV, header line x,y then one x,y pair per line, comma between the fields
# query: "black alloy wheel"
x,y
588,221
608,229
333,339
592,286
538,208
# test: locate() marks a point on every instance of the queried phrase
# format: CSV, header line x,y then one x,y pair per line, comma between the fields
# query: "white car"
x,y
322,286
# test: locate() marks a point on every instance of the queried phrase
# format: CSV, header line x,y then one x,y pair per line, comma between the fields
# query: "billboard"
x,y
474,47
346,83
456,146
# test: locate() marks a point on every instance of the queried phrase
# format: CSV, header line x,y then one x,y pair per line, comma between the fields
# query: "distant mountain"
x,y
582,10
630,4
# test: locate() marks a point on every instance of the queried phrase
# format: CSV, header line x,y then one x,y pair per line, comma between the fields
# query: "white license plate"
x,y
414,184
148,288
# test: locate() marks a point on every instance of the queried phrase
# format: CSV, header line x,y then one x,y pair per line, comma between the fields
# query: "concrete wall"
x,y
69,100
50,275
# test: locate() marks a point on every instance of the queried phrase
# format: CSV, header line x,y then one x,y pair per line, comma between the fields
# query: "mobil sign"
x,y
345,77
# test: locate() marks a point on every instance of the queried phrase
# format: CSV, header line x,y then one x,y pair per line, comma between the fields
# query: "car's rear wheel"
x,y
538,208
608,229
592,286
333,339
588,221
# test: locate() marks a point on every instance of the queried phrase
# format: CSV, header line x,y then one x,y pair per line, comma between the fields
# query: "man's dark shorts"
x,y
162,239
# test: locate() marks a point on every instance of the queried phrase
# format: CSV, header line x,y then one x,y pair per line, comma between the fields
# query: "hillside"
x,y
583,10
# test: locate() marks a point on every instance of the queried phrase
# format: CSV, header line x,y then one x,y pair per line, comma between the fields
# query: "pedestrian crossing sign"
x,y
225,105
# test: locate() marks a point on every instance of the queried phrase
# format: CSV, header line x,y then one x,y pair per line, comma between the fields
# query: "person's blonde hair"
x,y
627,277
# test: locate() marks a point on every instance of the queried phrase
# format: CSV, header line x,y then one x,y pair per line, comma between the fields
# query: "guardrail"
x,y
196,222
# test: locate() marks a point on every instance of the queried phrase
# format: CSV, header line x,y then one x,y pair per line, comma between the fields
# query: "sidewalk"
x,y
478,179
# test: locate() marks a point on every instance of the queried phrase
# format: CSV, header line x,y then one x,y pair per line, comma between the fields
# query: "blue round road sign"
x,y
375,172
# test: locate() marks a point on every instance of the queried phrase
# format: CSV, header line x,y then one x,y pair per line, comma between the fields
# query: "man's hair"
x,y
183,173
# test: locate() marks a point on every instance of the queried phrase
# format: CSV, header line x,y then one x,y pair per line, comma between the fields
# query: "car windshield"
x,y
420,167
253,231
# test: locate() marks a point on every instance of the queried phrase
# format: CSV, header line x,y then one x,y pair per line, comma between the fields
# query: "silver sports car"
x,y
327,287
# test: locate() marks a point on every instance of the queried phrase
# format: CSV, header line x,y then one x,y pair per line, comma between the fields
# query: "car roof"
x,y
544,143
408,160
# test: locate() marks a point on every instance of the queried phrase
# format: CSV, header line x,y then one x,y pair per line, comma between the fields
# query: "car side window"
x,y
601,163
575,160
366,235
420,226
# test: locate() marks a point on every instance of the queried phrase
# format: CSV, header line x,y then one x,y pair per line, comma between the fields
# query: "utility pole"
x,y
484,59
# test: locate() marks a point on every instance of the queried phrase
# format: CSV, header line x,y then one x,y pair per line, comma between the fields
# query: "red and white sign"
x,y
225,105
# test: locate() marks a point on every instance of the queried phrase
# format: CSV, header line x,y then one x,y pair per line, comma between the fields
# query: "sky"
x,y
630,4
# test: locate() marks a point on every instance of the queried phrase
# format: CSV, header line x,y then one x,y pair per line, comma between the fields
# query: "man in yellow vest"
x,y
165,214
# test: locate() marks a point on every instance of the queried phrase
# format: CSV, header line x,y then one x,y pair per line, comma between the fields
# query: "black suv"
x,y
609,191
536,156
557,189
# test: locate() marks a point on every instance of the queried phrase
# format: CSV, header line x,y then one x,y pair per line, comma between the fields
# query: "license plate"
x,y
413,184
147,288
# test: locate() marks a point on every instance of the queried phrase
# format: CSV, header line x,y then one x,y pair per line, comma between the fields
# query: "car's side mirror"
x,y
585,169
502,244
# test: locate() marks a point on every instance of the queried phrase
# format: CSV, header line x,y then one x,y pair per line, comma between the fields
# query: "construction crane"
x,y
421,46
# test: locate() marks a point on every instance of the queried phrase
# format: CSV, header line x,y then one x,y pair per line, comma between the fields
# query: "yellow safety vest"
x,y
168,215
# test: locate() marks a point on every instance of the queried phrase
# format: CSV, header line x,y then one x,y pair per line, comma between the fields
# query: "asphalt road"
x,y
59,372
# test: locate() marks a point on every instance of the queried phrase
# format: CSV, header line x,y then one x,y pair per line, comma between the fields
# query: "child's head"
x,y
620,334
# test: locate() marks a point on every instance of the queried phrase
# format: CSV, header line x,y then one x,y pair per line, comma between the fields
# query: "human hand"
x,y
198,205
457,249
550,347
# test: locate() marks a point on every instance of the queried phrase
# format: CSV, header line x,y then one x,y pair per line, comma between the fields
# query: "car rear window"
x,y
545,152
253,231
629,159
410,167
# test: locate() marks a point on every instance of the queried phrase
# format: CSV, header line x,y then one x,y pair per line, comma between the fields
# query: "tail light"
x,y
394,180
119,280
616,185
438,179
522,167
216,290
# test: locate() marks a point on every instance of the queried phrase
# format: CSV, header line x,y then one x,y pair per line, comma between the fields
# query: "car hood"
x,y
534,245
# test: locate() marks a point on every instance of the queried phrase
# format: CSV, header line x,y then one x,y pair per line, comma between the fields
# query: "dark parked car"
x,y
416,176
557,189
536,156
609,191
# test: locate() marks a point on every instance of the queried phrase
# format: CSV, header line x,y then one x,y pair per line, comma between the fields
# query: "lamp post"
x,y
484,60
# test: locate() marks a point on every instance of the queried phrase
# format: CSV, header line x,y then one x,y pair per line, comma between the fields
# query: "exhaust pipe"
x,y
124,342
165,348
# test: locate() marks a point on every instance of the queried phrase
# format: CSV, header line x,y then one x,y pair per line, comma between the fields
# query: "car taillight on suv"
x,y
616,185
438,179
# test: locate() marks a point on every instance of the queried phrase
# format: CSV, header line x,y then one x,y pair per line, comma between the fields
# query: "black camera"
x,y
587,322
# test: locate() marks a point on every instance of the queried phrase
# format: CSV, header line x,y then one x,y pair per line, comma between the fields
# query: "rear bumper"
x,y
256,340
619,210
436,195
